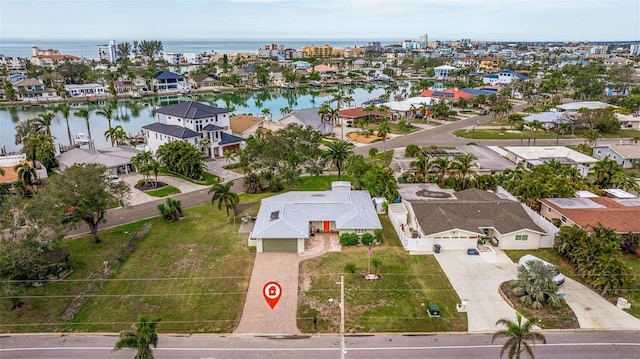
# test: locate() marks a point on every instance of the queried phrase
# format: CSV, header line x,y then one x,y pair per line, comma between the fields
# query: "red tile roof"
x,y
622,219
456,94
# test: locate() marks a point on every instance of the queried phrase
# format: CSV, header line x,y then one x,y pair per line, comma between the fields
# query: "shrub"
x,y
412,150
373,151
349,239
367,238
350,268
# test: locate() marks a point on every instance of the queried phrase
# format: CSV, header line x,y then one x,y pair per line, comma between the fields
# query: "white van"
x,y
558,278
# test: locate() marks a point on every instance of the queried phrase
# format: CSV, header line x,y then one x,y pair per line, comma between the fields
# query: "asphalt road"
x,y
577,344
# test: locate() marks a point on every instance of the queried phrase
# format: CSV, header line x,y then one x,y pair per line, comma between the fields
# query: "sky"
x,y
371,20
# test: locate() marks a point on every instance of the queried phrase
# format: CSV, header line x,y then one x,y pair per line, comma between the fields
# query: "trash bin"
x,y
436,248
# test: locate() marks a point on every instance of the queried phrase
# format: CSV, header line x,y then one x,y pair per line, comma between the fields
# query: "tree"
x,y
517,334
171,210
65,109
85,189
422,166
383,131
26,174
337,153
84,113
266,112
123,50
141,337
462,165
535,286
107,112
442,166
117,135
181,157
605,170
223,195
44,121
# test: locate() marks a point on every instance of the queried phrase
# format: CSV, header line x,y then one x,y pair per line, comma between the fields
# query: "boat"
x,y
315,83
81,139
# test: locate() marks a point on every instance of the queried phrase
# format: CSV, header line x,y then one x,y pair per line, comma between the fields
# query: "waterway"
x,y
132,114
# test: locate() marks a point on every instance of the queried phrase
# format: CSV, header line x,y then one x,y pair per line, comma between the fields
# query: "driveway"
x,y
136,196
476,279
593,311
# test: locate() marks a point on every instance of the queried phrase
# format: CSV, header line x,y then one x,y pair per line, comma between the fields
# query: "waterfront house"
x,y
10,176
168,81
192,122
287,220
444,71
85,90
116,159
33,90
503,77
245,125
202,81
308,117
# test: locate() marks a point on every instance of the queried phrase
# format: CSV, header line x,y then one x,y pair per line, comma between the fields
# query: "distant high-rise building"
x,y
634,49
108,52
373,46
424,40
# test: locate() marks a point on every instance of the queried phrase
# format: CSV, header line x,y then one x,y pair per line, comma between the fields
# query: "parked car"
x,y
473,251
558,277
113,179
483,112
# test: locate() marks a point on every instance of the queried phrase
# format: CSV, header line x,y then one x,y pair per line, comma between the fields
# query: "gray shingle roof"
x,y
171,130
226,138
166,75
191,110
472,210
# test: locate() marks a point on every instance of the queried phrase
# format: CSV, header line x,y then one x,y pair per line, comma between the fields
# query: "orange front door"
x,y
327,226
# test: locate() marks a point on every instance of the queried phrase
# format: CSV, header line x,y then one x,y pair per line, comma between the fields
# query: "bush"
x,y
349,239
350,268
412,150
367,238
373,151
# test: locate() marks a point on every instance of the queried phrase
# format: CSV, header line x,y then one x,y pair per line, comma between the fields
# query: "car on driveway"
x,y
483,112
473,251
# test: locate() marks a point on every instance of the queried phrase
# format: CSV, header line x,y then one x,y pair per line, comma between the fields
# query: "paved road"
x,y
560,345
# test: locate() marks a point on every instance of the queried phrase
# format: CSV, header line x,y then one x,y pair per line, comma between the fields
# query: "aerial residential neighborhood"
x,y
411,196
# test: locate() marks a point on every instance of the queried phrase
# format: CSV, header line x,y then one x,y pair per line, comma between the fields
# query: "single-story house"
x,y
549,119
356,113
631,122
626,155
10,176
532,156
620,214
286,220
85,90
117,159
202,81
428,215
587,105
308,117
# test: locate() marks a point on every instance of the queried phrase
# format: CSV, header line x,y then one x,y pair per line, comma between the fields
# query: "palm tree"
x,y
421,166
84,113
44,121
535,125
285,111
517,333
463,166
383,131
141,336
605,170
66,110
535,286
117,135
225,198
337,153
107,112
443,167
171,210
26,174
266,112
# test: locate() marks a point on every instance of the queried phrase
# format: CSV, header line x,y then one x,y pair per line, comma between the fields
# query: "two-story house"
x,y
32,89
169,81
201,125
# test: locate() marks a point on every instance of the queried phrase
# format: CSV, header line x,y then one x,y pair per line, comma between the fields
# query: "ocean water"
x,y
89,48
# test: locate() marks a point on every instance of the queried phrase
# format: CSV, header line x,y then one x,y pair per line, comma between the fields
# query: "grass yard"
x,y
318,183
193,274
498,134
634,295
396,303
163,192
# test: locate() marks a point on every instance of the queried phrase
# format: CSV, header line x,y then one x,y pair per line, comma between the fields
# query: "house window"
x,y
599,152
563,219
522,237
548,209
360,231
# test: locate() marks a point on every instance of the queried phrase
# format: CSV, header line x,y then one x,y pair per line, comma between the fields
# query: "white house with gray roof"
x,y
286,220
193,122
308,117
428,215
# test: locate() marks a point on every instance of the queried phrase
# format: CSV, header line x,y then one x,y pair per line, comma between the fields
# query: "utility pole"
x,y
343,349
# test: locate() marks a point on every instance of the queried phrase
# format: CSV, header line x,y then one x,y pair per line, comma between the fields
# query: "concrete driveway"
x,y
593,311
476,279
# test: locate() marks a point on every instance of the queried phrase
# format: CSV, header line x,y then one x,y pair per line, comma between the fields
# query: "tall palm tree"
x,y
107,112
383,131
337,153
518,333
285,111
84,113
266,112
605,170
26,174
443,167
225,197
65,109
117,135
44,120
463,165
141,336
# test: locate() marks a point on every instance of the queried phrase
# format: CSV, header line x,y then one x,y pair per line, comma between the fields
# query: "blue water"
x,y
133,114
89,48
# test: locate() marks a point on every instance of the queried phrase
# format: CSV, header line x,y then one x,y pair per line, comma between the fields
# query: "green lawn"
x,y
163,192
193,274
397,302
318,183
634,295
498,134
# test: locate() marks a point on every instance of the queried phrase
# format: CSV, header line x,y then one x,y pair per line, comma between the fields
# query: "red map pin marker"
x,y
272,292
